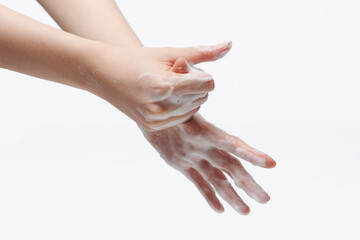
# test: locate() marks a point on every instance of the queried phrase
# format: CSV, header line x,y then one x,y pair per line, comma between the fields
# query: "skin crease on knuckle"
x,y
189,144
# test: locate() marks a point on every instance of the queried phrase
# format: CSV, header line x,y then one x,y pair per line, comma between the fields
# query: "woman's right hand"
x,y
156,87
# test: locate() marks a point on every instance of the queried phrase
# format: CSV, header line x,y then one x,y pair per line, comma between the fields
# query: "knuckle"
x,y
153,109
239,144
207,85
210,85
231,140
161,89
241,181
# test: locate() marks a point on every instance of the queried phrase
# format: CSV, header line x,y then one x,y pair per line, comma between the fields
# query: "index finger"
x,y
241,149
234,145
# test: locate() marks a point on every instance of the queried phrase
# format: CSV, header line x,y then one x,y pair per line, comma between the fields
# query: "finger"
x,y
184,99
238,173
228,143
201,99
189,79
236,146
205,189
153,87
172,107
170,122
181,66
199,54
239,148
223,187
193,83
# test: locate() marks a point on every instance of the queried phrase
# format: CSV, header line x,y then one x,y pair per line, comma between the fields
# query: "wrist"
x,y
105,67
87,66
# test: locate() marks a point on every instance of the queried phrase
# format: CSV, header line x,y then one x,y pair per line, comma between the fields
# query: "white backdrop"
x,y
74,167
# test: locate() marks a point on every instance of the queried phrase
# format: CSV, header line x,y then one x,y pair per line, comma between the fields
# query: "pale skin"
x,y
99,60
115,73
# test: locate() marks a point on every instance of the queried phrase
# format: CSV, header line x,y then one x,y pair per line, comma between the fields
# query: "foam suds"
x,y
185,107
199,145
158,89
255,159
173,93
151,93
173,123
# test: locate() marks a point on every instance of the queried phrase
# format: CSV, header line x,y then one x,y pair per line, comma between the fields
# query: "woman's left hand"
x,y
203,153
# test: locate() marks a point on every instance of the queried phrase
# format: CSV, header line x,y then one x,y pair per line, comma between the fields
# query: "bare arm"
x,y
138,81
198,149
86,17
33,48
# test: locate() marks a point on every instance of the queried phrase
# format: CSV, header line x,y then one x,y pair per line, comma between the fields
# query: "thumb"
x,y
181,66
200,54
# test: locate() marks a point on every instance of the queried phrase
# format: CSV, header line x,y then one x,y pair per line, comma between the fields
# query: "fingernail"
x,y
270,163
226,45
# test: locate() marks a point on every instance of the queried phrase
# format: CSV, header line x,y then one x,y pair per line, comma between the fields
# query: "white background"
x,y
74,167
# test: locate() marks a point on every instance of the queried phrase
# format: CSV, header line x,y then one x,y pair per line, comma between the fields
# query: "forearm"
x,y
146,84
35,49
99,20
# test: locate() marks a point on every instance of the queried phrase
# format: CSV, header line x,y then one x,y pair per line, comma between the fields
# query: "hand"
x,y
203,152
156,87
